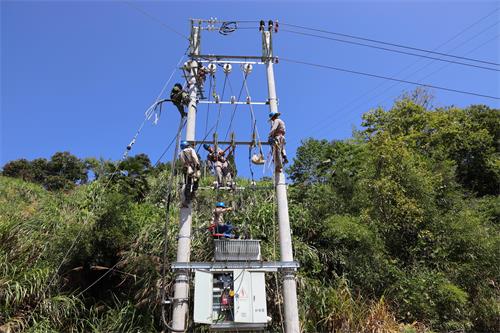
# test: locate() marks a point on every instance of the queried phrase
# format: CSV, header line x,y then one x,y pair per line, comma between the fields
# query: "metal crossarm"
x,y
229,102
220,265
220,56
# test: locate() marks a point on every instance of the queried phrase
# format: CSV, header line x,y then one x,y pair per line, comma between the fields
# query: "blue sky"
x,y
78,76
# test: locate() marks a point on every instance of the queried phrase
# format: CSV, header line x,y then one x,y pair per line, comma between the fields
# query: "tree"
x,y
62,172
18,169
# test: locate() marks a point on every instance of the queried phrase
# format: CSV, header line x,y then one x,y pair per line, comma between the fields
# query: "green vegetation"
x,y
396,230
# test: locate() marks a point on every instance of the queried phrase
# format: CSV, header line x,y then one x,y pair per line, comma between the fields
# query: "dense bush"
x,y
396,230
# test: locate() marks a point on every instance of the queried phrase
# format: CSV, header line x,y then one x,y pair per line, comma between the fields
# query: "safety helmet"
x,y
220,204
206,146
273,114
184,144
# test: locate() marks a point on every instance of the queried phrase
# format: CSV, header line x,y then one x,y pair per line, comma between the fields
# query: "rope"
x,y
208,104
274,258
167,220
220,105
151,110
254,129
168,147
253,118
236,105
78,235
97,201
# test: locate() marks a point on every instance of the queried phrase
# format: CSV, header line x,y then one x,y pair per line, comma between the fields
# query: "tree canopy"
x,y
397,229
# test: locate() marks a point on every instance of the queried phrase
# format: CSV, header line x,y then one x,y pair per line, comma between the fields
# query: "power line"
x,y
131,4
387,78
390,50
322,128
395,44
356,100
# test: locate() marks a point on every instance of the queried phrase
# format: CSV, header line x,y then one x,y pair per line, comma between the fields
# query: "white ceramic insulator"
x,y
227,68
247,68
212,68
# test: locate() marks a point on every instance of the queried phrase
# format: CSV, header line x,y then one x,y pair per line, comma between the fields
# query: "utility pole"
x,y
289,283
181,292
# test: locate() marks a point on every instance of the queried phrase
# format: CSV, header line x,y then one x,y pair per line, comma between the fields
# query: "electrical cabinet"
x,y
231,296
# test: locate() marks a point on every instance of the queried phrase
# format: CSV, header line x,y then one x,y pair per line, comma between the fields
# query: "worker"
x,y
180,98
220,165
276,135
191,168
218,225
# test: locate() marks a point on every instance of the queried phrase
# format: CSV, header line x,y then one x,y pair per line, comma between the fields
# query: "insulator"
x,y
131,144
212,68
186,66
247,68
227,68
233,99
270,25
262,25
217,98
249,99
276,26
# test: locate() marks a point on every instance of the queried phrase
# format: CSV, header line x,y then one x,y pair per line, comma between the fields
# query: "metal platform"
x,y
226,188
236,327
266,266
246,143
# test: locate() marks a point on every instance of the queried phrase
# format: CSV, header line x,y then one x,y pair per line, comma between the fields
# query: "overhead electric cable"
x,y
391,50
387,78
324,124
131,4
395,44
356,100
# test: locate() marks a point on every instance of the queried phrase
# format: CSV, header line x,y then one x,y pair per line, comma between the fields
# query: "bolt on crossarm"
x,y
181,291
289,282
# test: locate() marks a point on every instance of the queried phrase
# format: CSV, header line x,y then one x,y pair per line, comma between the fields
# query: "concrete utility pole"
x,y
181,293
289,283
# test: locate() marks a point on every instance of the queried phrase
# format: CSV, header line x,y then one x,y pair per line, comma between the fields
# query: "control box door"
x,y
242,296
259,297
203,293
